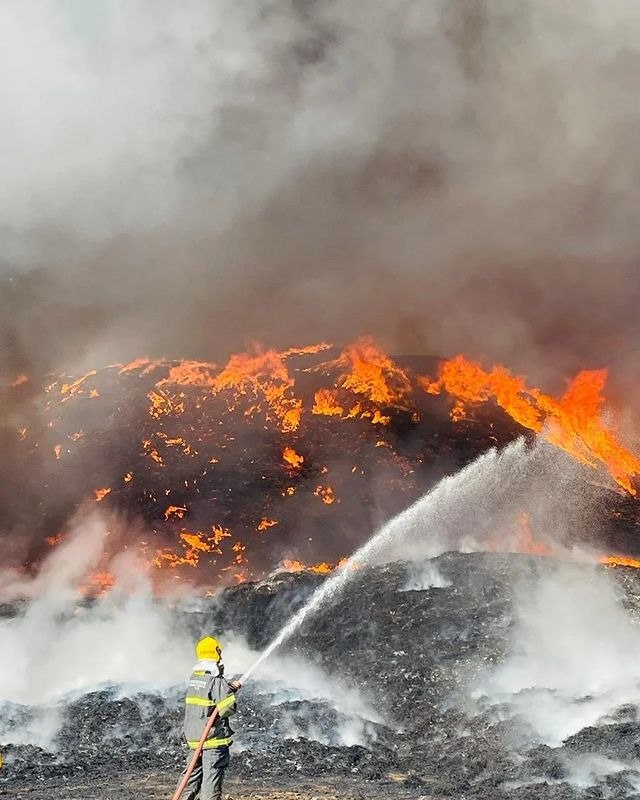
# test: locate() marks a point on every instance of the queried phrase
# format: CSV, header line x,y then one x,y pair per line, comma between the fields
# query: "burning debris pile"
x,y
265,473
284,458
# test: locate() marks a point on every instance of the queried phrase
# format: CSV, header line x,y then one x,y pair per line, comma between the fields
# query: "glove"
x,y
235,685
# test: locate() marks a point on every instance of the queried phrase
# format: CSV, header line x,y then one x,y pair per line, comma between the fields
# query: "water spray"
x,y
434,500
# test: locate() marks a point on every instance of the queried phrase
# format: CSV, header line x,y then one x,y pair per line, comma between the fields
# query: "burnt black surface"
x,y
413,654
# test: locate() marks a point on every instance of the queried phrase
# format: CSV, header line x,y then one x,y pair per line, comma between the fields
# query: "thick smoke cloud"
x,y
448,176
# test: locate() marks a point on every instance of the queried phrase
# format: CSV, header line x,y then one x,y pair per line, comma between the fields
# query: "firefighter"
x,y
208,691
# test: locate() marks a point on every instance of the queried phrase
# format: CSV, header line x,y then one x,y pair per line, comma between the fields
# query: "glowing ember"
x,y
266,523
177,512
100,494
239,548
292,458
326,494
162,403
151,451
195,541
99,583
290,565
220,533
572,422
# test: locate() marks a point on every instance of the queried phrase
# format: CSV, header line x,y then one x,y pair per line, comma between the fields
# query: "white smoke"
x,y
425,576
288,678
575,656
58,647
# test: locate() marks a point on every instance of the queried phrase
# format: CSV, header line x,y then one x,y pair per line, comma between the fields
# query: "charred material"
x,y
415,654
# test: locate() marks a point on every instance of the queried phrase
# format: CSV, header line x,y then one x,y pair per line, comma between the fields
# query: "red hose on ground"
x,y
196,755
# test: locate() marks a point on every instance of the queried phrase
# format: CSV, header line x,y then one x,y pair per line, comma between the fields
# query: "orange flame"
x,y
527,542
145,365
308,350
195,541
573,422
191,373
99,583
326,402
263,374
71,389
620,561
292,458
373,374
365,370
100,494
193,544
292,565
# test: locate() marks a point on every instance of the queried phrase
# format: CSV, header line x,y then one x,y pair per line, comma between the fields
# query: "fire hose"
x,y
196,755
197,752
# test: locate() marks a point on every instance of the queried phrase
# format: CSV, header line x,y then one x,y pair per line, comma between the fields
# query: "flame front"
x,y
263,375
573,422
194,412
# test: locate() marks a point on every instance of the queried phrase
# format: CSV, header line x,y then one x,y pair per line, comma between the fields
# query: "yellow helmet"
x,y
208,649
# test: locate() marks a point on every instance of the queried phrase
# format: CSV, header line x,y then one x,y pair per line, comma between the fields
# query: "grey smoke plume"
x,y
181,179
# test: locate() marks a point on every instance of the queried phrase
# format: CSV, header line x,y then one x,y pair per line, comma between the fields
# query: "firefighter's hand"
x,y
235,685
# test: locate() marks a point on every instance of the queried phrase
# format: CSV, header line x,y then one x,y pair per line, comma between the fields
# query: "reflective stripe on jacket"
x,y
208,690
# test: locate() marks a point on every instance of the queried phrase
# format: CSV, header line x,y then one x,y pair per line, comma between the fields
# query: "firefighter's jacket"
x,y
208,691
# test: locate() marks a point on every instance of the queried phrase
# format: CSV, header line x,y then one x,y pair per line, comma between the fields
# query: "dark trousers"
x,y
207,775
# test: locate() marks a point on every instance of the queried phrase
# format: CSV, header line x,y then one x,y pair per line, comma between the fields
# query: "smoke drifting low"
x,y
448,176
58,649
575,654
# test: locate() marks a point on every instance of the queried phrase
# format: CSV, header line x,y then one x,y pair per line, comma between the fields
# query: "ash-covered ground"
x,y
469,675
